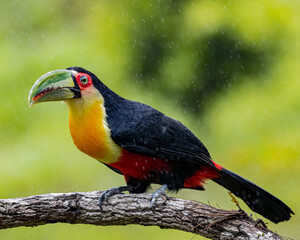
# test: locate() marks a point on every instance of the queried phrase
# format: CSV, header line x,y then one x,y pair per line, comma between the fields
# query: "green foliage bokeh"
x,y
227,69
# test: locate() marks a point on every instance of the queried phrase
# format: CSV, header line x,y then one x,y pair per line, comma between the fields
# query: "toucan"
x,y
141,143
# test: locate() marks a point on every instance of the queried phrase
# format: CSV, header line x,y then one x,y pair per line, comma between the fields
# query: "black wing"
x,y
143,130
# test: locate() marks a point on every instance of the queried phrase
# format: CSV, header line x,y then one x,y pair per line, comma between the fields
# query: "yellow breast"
x,y
89,130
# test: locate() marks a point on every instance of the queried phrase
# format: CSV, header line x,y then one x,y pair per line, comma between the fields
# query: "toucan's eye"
x,y
84,79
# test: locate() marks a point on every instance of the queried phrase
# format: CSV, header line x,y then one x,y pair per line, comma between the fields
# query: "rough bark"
x,y
82,207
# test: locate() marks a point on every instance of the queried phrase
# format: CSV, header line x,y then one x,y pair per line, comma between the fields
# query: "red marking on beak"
x,y
42,93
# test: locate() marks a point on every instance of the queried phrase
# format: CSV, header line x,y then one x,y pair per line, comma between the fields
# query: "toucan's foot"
x,y
159,192
113,191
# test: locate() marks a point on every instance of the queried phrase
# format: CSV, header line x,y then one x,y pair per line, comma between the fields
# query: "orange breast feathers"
x,y
89,130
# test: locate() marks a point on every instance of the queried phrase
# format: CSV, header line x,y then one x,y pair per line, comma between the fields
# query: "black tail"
x,y
256,198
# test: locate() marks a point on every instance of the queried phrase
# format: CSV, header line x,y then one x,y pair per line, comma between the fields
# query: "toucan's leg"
x,y
159,192
113,191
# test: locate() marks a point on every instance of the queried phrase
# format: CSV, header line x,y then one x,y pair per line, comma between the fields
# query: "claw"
x,y
110,192
159,192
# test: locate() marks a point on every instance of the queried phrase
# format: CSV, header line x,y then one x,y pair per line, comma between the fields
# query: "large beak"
x,y
54,86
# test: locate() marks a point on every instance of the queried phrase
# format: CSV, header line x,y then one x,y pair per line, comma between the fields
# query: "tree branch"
x,y
82,207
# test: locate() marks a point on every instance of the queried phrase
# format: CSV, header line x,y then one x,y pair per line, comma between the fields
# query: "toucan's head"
x,y
64,84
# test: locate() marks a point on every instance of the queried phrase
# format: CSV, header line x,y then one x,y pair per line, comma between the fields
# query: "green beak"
x,y
54,86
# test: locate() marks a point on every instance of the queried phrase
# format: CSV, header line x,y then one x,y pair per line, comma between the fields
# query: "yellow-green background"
x,y
229,70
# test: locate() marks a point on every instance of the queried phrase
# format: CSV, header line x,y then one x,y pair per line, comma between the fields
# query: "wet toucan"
x,y
141,143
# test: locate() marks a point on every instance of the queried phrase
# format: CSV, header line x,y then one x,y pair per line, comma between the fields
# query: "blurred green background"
x,y
226,69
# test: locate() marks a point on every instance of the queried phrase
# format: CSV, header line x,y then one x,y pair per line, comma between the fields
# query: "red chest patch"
x,y
139,167
142,167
